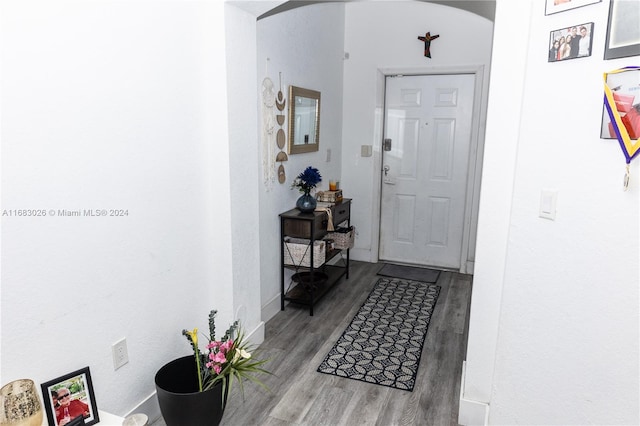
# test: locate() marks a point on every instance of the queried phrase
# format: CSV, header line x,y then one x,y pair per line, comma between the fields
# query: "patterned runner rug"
x,y
384,341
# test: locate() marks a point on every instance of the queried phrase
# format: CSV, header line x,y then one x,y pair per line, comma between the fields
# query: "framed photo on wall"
x,y
623,29
555,6
69,399
625,87
571,42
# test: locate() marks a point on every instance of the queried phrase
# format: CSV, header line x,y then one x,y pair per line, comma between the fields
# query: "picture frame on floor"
x,y
69,400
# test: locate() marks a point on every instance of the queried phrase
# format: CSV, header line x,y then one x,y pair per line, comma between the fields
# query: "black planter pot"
x,y
180,401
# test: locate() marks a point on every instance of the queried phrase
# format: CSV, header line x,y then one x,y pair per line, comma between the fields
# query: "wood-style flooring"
x,y
296,344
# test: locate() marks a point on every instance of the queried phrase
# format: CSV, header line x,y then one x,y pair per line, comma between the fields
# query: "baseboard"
x,y
470,265
271,308
470,412
256,337
363,255
149,405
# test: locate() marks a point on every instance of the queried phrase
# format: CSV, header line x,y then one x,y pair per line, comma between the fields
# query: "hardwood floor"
x,y
296,344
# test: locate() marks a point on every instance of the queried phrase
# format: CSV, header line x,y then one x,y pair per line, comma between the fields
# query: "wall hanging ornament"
x,y
281,137
427,43
268,126
624,112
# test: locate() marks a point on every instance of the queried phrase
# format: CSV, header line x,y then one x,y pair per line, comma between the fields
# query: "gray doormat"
x,y
410,273
384,341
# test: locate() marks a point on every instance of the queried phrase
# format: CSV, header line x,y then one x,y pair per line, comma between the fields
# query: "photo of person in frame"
x,y
69,409
69,400
571,42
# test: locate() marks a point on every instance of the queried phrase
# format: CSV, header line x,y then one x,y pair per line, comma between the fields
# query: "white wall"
x,y
245,177
565,336
381,37
112,105
305,45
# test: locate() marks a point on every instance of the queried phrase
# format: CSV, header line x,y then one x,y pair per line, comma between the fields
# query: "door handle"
x,y
388,180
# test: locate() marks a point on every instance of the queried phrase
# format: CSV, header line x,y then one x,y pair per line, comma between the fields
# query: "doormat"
x,y
410,273
383,343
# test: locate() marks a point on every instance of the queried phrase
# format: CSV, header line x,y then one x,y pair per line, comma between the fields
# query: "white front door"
x,y
425,165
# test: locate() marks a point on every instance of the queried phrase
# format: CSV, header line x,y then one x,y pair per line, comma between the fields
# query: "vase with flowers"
x,y
193,389
305,182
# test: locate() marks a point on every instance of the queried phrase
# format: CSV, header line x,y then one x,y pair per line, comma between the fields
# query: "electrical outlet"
x,y
120,353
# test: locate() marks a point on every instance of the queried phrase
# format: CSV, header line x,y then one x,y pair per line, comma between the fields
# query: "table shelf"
x,y
312,227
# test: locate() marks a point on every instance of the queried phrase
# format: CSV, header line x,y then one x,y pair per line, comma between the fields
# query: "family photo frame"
x,y
572,42
555,6
69,400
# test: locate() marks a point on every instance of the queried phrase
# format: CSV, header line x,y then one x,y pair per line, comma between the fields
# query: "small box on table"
x,y
330,196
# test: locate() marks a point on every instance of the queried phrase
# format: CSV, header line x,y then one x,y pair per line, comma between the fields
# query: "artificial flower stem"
x,y
198,371
194,342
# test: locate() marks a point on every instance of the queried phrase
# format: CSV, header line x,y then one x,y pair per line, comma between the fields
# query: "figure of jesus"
x,y
427,43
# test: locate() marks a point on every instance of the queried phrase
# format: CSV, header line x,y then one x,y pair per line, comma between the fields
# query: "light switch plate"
x,y
548,202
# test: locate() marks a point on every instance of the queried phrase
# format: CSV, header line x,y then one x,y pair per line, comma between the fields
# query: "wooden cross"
x,y
427,43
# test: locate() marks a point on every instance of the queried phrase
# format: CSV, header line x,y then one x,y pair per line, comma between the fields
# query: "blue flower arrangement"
x,y
307,180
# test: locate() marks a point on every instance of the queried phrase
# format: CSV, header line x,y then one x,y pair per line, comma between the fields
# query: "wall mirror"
x,y
304,120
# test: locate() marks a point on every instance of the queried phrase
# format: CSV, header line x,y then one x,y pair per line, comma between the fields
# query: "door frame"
x,y
475,156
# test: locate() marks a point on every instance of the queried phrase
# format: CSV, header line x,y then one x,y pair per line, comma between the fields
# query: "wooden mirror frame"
x,y
314,142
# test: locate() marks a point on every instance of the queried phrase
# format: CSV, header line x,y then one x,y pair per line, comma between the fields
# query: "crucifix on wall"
x,y
427,43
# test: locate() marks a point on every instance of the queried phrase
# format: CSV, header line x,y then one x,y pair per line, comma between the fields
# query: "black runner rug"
x,y
410,273
383,343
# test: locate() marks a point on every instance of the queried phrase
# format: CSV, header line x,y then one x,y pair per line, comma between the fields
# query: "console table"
x,y
312,278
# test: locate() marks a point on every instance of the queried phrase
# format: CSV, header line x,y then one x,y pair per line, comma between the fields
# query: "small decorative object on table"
x,y
20,404
137,419
305,182
193,390
70,400
330,196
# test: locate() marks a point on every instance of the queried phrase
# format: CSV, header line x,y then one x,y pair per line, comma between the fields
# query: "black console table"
x,y
312,279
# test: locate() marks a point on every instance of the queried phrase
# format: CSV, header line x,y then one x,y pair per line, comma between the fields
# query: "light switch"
x,y
366,150
548,201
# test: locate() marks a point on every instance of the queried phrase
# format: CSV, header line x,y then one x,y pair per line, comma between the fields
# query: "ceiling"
x,y
263,9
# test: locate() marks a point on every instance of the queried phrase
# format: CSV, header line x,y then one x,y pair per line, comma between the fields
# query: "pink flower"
x,y
217,369
226,345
